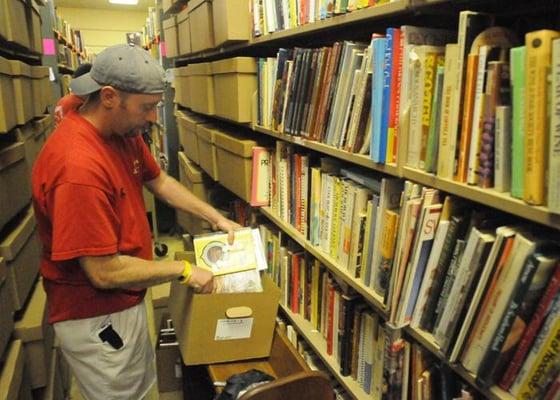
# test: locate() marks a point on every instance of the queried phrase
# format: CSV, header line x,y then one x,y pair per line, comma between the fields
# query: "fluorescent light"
x,y
127,2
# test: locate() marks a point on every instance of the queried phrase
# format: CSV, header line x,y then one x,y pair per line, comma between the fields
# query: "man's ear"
x,y
109,97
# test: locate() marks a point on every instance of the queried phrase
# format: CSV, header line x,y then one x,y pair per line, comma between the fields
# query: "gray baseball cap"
x,y
125,67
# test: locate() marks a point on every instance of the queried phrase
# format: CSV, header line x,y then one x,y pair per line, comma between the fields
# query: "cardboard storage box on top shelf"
x,y
201,86
23,88
232,21
13,22
34,28
6,308
192,177
184,45
181,84
201,25
235,81
21,251
214,328
234,153
187,122
207,154
14,174
40,86
170,35
14,380
37,337
8,117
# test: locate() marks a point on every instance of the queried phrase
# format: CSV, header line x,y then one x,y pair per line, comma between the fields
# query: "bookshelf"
x,y
319,345
369,295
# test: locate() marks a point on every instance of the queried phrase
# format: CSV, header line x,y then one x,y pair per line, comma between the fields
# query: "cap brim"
x,y
84,85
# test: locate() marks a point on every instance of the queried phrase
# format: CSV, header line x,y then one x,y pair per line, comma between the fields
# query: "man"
x,y
70,102
87,195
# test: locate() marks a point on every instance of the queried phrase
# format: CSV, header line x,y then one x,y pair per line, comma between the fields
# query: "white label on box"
x,y
237,328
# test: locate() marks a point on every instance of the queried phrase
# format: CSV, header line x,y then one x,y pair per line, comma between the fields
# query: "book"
x,y
260,183
517,76
553,200
502,149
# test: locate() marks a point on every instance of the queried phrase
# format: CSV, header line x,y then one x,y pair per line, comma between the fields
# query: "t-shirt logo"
x,y
136,167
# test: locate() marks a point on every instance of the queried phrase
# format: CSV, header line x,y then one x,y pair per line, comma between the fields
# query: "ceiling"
x,y
104,4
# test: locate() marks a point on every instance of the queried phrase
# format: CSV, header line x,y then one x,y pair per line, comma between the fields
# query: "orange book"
x,y
466,126
537,67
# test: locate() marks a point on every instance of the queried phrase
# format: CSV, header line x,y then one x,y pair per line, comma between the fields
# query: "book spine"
x,y
553,202
502,150
517,56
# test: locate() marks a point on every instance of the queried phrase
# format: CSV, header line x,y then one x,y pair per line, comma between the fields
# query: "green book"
x,y
433,137
517,57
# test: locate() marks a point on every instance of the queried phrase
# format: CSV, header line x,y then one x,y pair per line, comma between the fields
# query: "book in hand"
x,y
236,267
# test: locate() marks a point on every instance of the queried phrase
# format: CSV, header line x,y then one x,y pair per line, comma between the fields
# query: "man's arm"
x,y
119,271
166,188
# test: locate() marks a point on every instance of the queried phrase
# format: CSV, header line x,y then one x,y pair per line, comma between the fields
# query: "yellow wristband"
x,y
186,275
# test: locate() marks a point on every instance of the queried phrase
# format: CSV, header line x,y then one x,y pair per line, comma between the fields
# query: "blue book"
x,y
380,157
378,49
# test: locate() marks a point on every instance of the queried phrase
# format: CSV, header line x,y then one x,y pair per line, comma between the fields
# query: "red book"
x,y
396,75
294,304
330,319
532,330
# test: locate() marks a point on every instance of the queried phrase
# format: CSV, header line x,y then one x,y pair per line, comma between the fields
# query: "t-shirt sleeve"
x,y
151,167
84,222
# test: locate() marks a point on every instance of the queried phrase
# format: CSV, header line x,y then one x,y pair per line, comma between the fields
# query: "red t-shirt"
x,y
65,105
87,195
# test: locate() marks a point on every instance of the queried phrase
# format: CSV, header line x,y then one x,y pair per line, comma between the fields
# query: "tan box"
x,y
34,28
201,86
23,89
207,150
232,21
186,123
13,24
39,75
22,251
6,308
182,91
192,177
8,117
11,375
170,35
235,81
201,322
201,25
184,33
14,174
37,337
234,153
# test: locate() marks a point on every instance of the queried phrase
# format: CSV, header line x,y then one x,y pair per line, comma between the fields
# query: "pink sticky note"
x,y
48,47
163,48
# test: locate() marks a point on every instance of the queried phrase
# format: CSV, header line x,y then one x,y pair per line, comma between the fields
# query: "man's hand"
x,y
228,226
202,280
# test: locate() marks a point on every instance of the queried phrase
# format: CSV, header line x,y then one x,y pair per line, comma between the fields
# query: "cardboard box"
x,y
235,163
184,33
168,360
23,90
34,27
37,337
235,81
11,375
201,25
207,150
8,117
204,331
201,86
6,308
187,122
39,75
170,36
182,90
22,251
14,174
232,21
192,177
33,136
13,22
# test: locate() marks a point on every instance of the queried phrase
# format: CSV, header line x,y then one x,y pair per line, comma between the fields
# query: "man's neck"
x,y
94,117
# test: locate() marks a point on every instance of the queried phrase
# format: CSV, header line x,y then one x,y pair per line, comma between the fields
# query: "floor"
x,y
174,244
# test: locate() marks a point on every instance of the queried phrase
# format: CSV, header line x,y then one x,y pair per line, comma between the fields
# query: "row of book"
x,y
470,277
277,15
373,353
470,105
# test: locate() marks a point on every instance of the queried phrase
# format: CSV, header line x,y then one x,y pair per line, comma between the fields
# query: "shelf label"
x,y
237,328
49,48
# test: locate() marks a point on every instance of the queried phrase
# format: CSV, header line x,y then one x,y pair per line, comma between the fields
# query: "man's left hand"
x,y
228,226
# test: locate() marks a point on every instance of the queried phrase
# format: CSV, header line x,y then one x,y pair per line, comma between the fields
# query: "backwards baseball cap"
x,y
125,67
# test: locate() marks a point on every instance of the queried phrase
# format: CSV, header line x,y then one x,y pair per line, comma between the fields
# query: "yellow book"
x,y
293,14
537,68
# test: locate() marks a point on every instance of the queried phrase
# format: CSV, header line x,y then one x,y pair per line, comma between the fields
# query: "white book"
x,y
502,233
346,219
304,195
490,318
554,138
360,207
502,149
327,190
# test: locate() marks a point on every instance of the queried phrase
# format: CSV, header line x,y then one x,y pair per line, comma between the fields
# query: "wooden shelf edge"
x,y
318,344
486,197
369,295
427,341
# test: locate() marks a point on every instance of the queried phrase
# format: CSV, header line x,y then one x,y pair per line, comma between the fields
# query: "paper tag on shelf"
x,y
229,329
